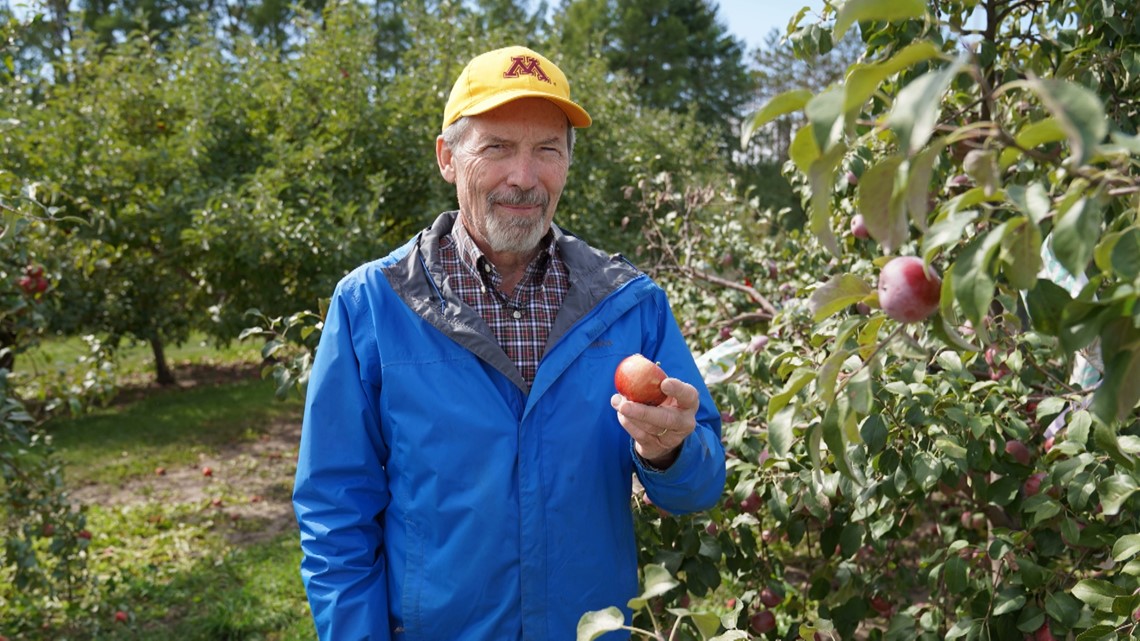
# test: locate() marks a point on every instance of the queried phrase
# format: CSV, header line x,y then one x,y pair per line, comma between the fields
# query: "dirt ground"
x,y
249,483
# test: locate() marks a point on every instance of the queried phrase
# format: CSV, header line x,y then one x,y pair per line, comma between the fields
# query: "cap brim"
x,y
577,115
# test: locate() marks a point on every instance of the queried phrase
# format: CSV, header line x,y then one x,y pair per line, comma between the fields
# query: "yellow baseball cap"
x,y
497,77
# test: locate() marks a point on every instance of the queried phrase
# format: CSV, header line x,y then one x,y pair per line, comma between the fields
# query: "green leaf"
x,y
915,112
825,115
956,573
1009,600
658,581
961,628
1063,608
1078,110
1126,547
821,177
838,293
973,283
918,183
780,432
1021,253
1097,594
1119,391
946,232
796,382
863,80
782,104
854,11
803,151
1033,134
732,635
1046,304
707,623
1125,259
1031,200
594,624
1100,632
835,438
875,200
874,433
1075,235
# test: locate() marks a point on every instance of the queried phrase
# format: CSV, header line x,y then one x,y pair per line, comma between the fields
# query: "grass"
x,y
183,555
169,429
132,358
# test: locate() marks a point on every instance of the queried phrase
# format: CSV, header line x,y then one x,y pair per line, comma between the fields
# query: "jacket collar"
x,y
418,278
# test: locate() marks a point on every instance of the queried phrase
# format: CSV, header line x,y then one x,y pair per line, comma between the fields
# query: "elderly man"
x,y
466,466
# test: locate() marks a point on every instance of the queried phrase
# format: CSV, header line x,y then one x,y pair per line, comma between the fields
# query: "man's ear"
x,y
445,159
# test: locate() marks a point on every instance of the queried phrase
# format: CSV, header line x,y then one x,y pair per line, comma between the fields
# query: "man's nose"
x,y
523,171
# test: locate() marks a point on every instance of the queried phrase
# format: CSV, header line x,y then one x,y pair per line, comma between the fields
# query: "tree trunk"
x,y
7,349
164,374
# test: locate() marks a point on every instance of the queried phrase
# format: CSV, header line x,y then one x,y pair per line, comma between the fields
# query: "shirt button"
x,y
517,314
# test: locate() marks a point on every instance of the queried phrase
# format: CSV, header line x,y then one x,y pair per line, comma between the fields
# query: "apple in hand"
x,y
908,291
639,379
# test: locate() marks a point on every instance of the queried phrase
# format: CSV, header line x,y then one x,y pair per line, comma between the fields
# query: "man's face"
x,y
509,170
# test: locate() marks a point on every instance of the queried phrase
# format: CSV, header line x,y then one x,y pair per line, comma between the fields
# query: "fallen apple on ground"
x,y
639,379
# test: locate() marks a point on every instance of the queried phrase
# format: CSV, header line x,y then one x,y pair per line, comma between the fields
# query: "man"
x,y
466,468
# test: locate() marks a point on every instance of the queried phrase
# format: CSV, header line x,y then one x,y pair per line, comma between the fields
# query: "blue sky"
x,y
751,20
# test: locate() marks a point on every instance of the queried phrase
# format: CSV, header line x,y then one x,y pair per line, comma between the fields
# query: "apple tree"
x,y
968,471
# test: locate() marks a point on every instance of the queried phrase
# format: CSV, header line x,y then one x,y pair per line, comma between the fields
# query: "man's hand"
x,y
659,431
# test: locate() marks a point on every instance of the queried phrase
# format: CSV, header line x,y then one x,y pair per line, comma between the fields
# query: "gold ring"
x,y
662,432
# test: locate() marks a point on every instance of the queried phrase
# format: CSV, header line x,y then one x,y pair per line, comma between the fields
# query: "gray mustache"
x,y
518,197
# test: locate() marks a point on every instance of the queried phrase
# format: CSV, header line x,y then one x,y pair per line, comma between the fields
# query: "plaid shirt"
x,y
521,322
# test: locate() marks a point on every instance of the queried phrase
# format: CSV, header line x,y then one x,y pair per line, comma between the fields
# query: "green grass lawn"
x,y
185,555
132,358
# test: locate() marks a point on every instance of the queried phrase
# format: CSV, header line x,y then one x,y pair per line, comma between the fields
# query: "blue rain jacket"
x,y
439,498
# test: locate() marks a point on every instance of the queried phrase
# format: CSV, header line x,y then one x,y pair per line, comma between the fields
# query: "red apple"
x,y
908,291
1033,484
207,471
84,534
121,616
762,622
1018,451
639,379
1043,633
770,597
881,605
859,227
751,503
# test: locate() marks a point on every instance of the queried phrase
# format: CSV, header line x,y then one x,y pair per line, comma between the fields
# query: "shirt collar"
x,y
475,260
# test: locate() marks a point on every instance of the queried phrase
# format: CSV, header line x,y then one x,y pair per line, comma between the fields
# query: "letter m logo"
x,y
526,66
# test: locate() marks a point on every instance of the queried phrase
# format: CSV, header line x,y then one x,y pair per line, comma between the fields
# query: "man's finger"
x,y
687,396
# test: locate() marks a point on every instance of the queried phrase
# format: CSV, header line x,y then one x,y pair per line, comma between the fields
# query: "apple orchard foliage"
x,y
959,477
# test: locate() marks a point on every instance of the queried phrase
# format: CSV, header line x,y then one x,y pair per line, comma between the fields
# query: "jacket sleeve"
x,y
695,481
340,489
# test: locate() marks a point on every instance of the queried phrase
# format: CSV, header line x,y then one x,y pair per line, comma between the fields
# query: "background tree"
x,y
678,53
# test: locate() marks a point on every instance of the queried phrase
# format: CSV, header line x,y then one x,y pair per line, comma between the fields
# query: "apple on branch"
x,y
639,379
909,291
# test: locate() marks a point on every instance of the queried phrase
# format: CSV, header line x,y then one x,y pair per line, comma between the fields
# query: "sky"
x,y
751,20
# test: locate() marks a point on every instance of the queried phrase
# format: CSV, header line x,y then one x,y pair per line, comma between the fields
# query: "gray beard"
x,y
511,234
